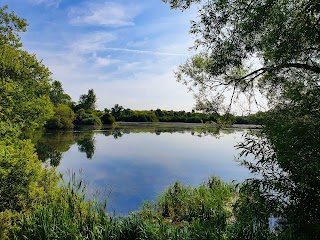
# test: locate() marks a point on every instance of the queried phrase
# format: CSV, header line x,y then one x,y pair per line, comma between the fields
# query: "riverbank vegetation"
x,y
181,212
67,114
271,49
284,35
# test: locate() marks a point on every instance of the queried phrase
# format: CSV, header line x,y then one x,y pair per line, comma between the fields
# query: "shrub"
x,y
63,118
24,183
91,120
107,118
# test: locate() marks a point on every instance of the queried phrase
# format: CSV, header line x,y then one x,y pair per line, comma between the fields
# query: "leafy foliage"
x,y
128,115
25,106
281,37
23,181
24,92
24,81
287,157
10,26
63,118
107,118
87,101
116,111
58,96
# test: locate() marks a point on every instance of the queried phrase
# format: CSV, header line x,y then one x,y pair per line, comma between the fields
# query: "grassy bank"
x,y
181,212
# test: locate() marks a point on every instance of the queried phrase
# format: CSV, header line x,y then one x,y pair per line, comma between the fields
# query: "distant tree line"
x,y
158,115
68,113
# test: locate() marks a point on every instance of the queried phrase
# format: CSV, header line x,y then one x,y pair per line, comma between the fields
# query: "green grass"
x,y
181,212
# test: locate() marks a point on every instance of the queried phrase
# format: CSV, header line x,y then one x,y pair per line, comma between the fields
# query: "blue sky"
x,y
126,50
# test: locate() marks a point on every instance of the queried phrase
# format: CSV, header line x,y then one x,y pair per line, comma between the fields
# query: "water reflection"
x,y
51,146
136,163
85,142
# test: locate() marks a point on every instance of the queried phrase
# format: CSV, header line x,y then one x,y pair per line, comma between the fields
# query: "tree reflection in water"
x,y
50,146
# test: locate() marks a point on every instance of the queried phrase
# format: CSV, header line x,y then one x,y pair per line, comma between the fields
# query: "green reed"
x,y
181,212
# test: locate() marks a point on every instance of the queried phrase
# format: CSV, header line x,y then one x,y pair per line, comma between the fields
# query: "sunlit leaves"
x,y
23,91
280,38
10,27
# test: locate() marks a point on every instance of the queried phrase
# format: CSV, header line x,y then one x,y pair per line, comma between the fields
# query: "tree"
x,y
25,82
58,96
116,111
281,38
87,101
10,27
24,105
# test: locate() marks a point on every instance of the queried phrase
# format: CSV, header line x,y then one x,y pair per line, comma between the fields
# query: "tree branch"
x,y
308,67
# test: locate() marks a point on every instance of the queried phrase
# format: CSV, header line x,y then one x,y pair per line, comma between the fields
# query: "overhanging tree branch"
x,y
304,66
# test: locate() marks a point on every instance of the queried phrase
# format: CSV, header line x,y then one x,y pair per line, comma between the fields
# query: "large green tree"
x,y
25,81
58,96
271,48
63,118
24,105
246,46
10,27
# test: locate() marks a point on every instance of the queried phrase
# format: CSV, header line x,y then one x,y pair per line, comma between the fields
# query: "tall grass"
x,y
181,212
70,216
187,212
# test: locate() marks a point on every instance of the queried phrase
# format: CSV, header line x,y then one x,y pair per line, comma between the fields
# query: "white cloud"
x,y
110,14
103,61
130,66
137,43
146,52
93,42
49,3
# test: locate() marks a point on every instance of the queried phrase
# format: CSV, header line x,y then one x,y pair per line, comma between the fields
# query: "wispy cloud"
x,y
93,42
132,66
49,3
110,14
145,52
102,62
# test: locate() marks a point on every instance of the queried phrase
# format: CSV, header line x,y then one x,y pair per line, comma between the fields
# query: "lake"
x,y
135,162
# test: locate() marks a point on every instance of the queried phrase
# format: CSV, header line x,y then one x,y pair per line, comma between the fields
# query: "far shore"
x,y
186,125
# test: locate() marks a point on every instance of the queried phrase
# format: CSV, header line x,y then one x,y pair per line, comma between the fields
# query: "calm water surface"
x,y
137,164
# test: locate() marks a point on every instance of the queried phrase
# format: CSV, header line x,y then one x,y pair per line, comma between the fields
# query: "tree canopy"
x,y
25,81
24,106
270,48
57,94
10,27
244,46
87,101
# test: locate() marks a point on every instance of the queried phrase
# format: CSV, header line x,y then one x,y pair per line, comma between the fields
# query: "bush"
x,y
87,117
107,118
63,118
24,183
91,120
22,178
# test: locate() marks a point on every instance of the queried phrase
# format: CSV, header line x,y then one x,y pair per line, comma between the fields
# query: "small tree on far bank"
x,y
87,101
